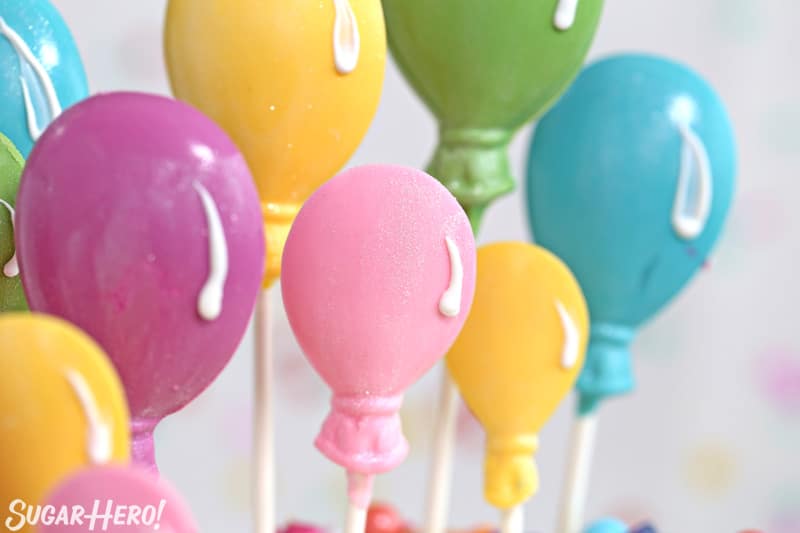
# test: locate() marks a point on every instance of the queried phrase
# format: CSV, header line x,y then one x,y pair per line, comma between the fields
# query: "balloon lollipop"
x,y
139,222
378,278
295,85
131,499
41,69
629,181
11,163
61,406
518,356
607,525
485,69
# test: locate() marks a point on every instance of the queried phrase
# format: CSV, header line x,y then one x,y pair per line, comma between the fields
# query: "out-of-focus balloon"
x,y
139,500
62,406
40,69
517,357
296,85
484,69
302,527
378,278
12,297
607,525
139,222
629,181
383,518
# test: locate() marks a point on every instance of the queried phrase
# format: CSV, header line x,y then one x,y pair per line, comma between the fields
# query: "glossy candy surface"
x,y
517,358
12,297
139,222
485,69
141,501
267,72
38,56
378,278
630,179
62,406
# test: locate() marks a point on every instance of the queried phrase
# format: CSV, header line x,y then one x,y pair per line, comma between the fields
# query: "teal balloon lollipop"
x,y
630,179
11,163
41,72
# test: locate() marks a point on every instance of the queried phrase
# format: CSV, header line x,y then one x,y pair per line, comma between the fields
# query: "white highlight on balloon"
x,y
450,303
100,438
209,304
29,64
695,191
572,338
566,12
346,38
11,269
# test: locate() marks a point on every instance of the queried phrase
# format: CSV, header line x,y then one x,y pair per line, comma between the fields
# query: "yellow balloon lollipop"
x,y
62,406
296,85
517,357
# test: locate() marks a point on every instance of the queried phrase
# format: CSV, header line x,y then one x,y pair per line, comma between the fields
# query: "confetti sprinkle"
x,y
778,375
710,469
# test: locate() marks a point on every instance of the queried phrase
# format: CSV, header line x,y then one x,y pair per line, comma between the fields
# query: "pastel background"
x,y
710,440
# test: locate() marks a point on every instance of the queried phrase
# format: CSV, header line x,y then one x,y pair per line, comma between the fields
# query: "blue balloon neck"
x,y
608,369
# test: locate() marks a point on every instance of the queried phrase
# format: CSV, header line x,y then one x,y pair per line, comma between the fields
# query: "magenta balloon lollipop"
x,y
116,499
140,223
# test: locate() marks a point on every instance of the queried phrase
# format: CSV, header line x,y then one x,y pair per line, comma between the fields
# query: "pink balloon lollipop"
x,y
116,499
139,222
378,277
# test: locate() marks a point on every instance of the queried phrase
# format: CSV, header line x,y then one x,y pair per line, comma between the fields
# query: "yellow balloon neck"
x,y
510,473
278,219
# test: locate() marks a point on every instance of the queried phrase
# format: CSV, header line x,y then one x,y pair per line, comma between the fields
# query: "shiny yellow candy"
x,y
265,70
44,426
518,356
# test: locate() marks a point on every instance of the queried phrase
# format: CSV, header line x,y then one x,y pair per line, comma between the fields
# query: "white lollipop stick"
x,y
356,520
264,434
513,520
441,472
576,488
359,490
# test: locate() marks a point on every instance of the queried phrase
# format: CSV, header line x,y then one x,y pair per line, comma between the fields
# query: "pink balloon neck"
x,y
364,434
143,450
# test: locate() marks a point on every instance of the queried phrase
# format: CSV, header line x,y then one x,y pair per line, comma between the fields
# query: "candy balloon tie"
x,y
608,370
510,475
473,164
364,434
143,451
278,221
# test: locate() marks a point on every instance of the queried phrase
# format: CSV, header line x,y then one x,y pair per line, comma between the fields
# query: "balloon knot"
x,y
510,476
608,369
473,164
278,219
364,433
143,451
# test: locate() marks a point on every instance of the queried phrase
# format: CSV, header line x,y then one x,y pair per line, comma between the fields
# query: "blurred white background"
x,y
708,443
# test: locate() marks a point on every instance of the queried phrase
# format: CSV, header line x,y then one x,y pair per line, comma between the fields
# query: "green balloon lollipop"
x,y
11,163
485,68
